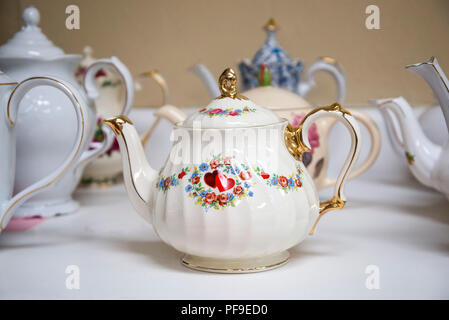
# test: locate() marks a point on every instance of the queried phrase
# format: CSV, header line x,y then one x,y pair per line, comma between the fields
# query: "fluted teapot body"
x,y
234,195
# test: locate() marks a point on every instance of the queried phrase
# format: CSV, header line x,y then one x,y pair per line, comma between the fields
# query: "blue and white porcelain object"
x,y
285,71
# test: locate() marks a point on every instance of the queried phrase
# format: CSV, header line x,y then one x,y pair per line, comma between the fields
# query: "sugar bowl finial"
x,y
228,85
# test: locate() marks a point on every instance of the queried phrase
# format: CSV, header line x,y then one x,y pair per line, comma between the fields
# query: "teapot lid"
x,y
30,42
230,109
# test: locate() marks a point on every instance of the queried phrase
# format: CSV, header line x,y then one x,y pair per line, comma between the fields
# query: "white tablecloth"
x,y
391,222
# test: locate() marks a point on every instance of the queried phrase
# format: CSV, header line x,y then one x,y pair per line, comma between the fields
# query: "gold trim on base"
x,y
237,269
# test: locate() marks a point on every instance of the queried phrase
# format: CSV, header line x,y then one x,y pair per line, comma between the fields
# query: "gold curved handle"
x,y
297,142
156,76
373,153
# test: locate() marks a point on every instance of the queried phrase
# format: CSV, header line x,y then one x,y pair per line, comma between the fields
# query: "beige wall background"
x,y
171,36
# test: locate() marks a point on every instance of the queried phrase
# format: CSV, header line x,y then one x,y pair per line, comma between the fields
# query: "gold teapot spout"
x,y
137,172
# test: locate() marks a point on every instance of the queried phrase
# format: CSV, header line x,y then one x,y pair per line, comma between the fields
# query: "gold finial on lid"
x,y
228,85
271,25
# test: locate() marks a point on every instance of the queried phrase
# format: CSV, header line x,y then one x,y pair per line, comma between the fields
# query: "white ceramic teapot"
x,y
285,71
428,161
11,94
233,194
30,53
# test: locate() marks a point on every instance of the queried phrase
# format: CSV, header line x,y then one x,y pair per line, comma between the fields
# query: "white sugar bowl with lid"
x,y
233,195
28,54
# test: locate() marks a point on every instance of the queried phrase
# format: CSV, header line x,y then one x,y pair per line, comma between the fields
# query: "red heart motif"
x,y
209,178
224,183
264,175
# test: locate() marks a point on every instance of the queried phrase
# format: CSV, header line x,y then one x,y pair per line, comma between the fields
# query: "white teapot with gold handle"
x,y
30,53
11,94
233,195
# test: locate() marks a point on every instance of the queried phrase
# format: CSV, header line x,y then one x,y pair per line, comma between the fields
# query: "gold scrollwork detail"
x,y
293,144
292,136
336,203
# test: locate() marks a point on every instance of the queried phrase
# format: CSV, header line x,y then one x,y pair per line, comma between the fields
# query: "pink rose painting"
x,y
215,111
81,71
314,137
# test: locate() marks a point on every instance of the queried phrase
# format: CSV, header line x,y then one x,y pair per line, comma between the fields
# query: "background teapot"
x,y
111,91
30,53
285,72
427,161
11,94
232,207
293,108
107,168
